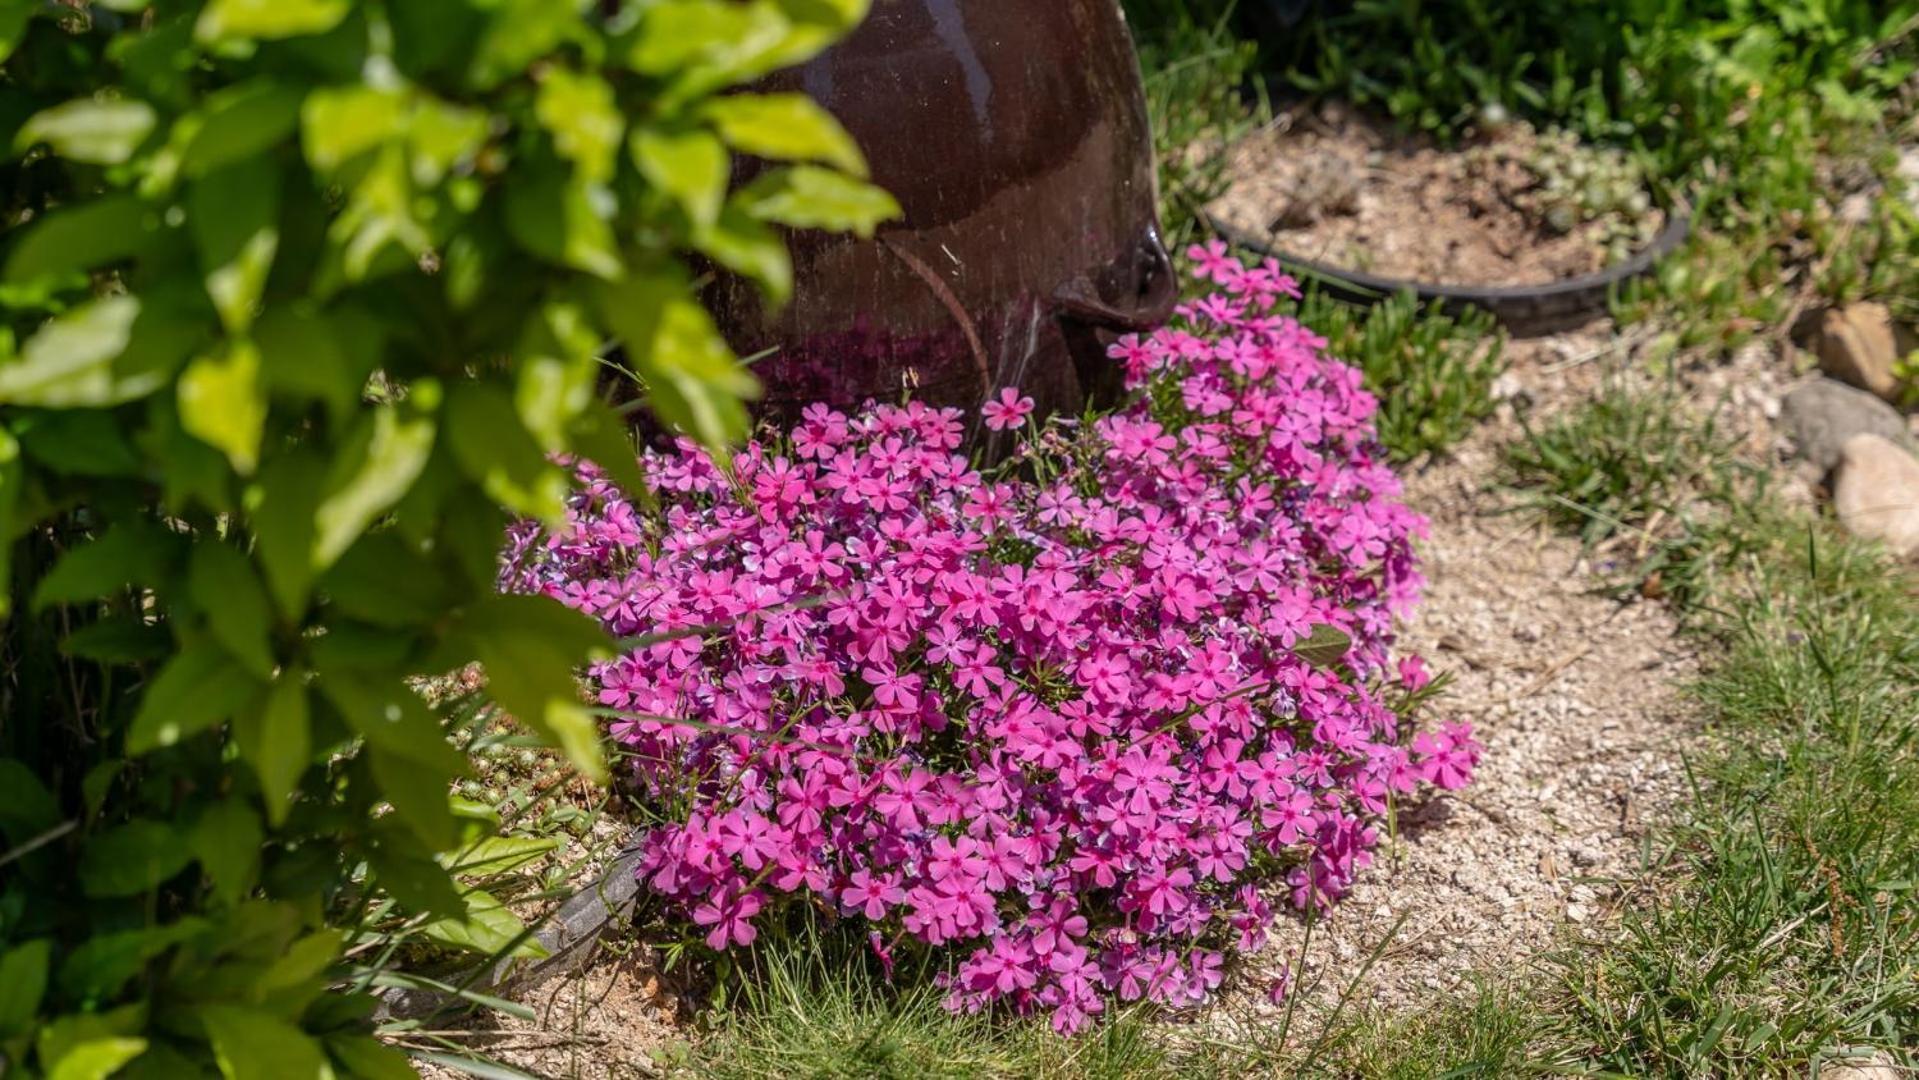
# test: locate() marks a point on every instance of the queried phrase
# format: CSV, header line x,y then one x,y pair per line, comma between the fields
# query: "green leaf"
x,y
838,14
563,221
234,214
13,479
495,449
677,35
691,167
518,33
226,588
91,1059
1324,647
275,739
27,808
700,46
302,356
82,236
223,403
69,362
443,138
226,840
419,797
339,124
693,381
23,981
80,442
14,16
63,1043
249,1044
92,130
488,928
745,246
385,581
131,859
285,526
126,640
809,197
530,647
200,687
559,371
604,438
269,19
134,553
366,1058
388,456
578,111
497,855
784,127
393,720
381,212
302,962
241,123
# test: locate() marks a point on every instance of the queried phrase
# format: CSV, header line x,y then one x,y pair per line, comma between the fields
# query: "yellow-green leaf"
x,y
250,1043
691,167
750,248
269,19
809,197
69,362
223,403
578,111
93,130
339,124
389,457
487,928
784,127
234,214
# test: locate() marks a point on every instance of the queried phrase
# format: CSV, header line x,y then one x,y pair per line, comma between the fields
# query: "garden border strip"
x,y
1532,308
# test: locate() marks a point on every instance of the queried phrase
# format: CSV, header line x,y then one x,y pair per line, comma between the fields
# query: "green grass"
x,y
813,1008
1199,95
1778,929
1617,463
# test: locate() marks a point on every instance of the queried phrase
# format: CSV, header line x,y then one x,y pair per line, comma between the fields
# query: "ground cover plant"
x,y
296,299
1061,718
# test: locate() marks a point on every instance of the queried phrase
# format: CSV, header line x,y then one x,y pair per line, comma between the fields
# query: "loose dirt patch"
x,y
1517,208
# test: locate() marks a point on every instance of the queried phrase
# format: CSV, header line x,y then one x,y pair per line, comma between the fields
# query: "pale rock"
x,y
1859,344
1876,493
1879,1065
1820,416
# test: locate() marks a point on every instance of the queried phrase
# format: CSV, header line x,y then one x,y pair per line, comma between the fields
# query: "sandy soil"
x,y
1334,187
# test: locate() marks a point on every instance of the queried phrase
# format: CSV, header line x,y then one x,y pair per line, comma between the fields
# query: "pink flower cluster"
x,y
1052,714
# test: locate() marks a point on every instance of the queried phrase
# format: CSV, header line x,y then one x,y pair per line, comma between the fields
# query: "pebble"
x,y
1876,493
1820,415
1859,344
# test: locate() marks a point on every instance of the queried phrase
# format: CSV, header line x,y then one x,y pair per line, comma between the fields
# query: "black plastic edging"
x,y
1518,306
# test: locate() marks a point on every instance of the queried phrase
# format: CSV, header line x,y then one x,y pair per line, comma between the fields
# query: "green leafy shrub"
x,y
300,297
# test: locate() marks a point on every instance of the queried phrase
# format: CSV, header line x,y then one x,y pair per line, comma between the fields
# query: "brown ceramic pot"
x,y
1014,135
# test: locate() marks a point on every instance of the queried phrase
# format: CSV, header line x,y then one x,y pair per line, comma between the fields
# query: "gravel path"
x,y
1578,700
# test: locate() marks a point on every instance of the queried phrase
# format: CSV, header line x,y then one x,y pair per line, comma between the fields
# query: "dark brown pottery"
x,y
1014,135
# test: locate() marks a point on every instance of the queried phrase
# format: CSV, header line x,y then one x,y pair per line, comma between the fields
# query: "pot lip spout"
x,y
1158,294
